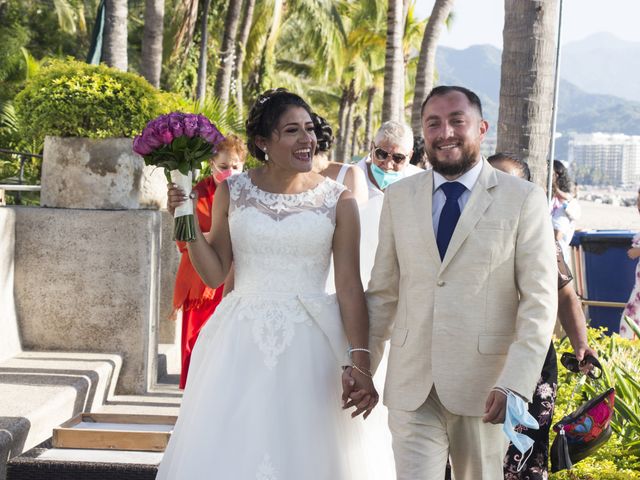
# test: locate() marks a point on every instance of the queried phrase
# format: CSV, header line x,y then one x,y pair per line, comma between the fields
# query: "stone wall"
x,y
169,260
99,174
90,280
9,338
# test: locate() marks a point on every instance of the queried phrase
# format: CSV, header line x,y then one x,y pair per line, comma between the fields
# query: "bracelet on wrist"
x,y
364,371
357,349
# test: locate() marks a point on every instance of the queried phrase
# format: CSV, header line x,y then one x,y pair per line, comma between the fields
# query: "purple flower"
x,y
203,122
212,135
151,138
208,131
176,125
140,146
190,123
163,131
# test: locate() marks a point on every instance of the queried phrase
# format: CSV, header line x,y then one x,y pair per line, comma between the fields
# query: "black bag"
x,y
582,432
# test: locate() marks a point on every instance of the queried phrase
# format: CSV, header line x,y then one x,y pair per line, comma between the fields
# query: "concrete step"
x,y
152,404
169,364
41,390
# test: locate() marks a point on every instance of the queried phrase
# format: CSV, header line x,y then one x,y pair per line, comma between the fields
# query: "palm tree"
x,y
201,88
186,15
227,54
358,68
245,30
114,46
527,82
371,92
392,105
427,60
357,123
151,66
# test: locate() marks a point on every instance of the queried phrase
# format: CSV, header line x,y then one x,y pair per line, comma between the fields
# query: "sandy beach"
x,y
599,216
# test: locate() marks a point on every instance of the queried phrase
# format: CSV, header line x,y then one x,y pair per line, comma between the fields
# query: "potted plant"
x,y
86,116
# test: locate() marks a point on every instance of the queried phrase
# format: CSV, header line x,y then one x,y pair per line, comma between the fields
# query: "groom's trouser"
x,y
424,439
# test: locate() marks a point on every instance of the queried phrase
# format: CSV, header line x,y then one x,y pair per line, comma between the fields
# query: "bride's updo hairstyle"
x,y
266,112
324,133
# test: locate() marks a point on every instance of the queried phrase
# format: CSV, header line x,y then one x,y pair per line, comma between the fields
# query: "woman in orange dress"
x,y
196,300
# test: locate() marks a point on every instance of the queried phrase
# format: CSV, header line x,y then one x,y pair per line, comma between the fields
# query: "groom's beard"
x,y
467,160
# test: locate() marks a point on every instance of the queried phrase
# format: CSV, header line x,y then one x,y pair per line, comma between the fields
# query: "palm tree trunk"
x,y
346,157
394,63
371,92
201,88
188,9
342,119
527,82
357,123
240,51
267,59
152,41
227,55
114,46
427,60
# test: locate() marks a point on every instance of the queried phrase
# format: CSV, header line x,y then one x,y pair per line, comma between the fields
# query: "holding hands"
x,y
357,386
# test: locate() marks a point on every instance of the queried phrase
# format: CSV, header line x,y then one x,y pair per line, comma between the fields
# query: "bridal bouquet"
x,y
179,142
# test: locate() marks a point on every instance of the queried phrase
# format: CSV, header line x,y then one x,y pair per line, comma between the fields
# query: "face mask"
x,y
221,175
518,414
383,178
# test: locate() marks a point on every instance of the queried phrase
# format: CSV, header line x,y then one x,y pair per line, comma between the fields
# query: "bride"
x,y
263,398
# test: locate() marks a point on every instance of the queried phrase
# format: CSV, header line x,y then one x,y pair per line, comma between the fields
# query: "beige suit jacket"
x,y
481,317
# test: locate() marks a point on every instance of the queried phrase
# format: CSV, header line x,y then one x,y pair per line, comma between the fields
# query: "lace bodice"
x,y
281,242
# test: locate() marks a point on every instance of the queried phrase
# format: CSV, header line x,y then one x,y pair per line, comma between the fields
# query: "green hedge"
x,y
73,99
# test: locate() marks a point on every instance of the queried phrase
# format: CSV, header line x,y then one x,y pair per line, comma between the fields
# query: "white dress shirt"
x,y
468,179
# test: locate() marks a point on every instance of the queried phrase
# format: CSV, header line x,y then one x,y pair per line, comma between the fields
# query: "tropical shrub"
x,y
69,98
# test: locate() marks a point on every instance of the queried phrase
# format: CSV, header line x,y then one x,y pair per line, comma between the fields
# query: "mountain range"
x,y
595,64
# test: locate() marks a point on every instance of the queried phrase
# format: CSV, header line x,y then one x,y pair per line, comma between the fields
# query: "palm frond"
x,y
225,118
31,64
303,69
66,15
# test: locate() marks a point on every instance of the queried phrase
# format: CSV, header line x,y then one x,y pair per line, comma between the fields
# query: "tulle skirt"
x,y
263,401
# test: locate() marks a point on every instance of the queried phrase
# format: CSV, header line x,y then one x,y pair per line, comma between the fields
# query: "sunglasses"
x,y
572,364
383,155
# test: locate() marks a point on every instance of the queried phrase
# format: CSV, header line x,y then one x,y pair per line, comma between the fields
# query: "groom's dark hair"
x,y
444,89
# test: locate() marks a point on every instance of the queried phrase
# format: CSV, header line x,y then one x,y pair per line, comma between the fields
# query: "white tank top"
x,y
342,173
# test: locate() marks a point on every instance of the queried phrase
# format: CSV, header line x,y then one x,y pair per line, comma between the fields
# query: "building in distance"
x,y
605,159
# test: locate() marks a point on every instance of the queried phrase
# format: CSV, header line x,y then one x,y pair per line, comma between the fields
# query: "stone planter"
x,y
99,174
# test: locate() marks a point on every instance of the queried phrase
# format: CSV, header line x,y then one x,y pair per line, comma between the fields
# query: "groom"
x,y
464,285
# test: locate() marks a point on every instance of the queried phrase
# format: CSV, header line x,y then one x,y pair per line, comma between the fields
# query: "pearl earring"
x,y
266,155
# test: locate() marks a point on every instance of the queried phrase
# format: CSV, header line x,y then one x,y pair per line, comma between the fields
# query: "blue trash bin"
x,y
608,275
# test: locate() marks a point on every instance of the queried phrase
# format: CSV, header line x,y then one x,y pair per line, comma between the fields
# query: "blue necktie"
x,y
449,216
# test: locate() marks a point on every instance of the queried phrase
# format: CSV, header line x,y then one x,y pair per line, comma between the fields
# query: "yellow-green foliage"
x,y
618,458
73,99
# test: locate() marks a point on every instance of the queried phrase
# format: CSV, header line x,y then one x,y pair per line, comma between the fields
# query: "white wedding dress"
x,y
263,399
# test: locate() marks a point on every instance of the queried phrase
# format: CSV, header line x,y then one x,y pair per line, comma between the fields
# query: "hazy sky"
x,y
481,21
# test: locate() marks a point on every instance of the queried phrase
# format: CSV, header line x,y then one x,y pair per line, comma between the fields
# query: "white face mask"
x,y
518,414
